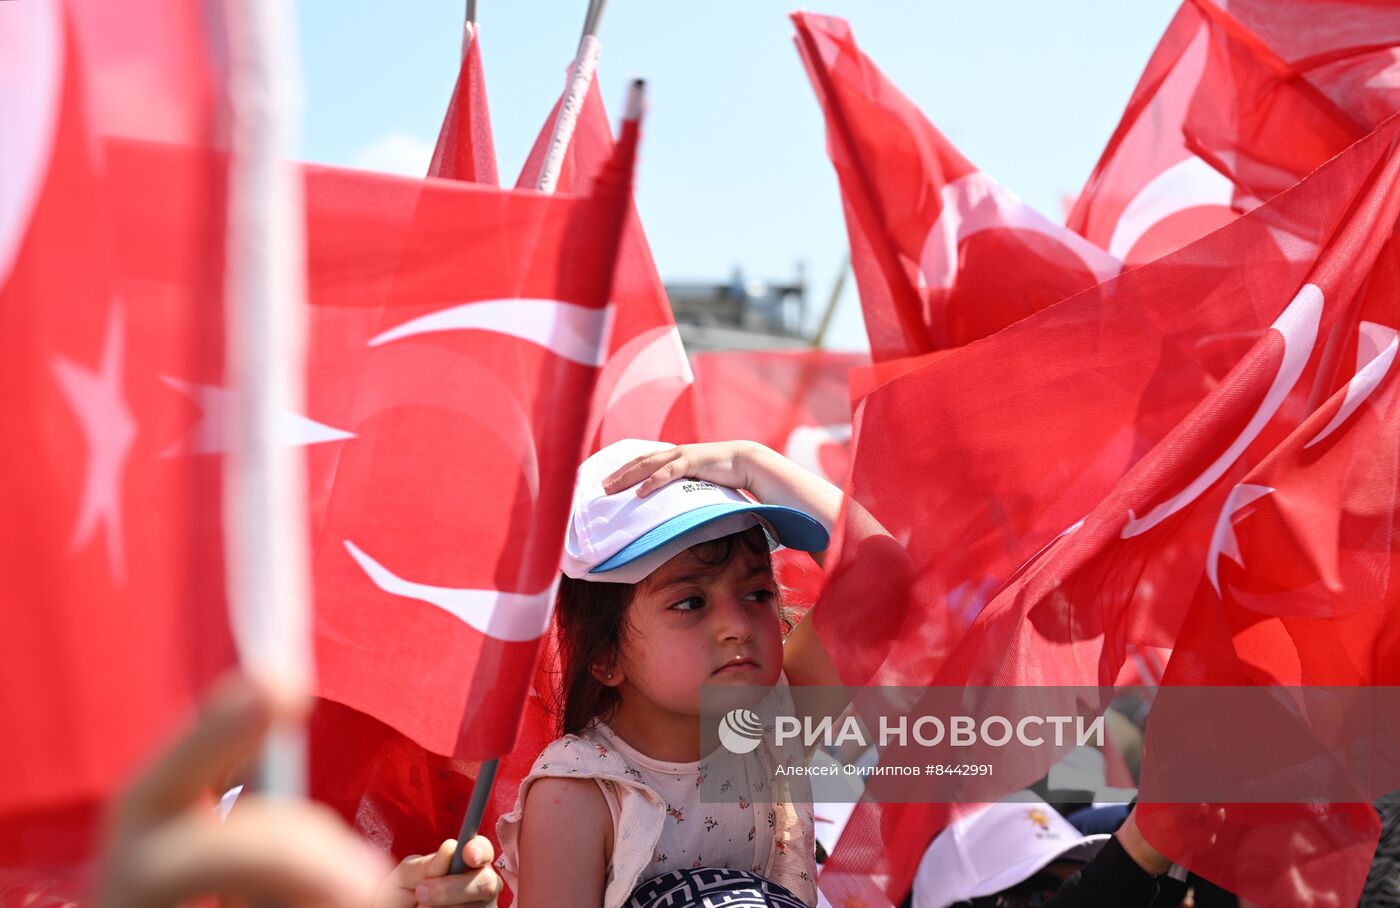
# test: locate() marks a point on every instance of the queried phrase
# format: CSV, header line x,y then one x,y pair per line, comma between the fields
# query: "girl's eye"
x,y
762,595
688,605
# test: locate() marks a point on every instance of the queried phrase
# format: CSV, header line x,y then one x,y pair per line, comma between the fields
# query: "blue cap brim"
x,y
794,529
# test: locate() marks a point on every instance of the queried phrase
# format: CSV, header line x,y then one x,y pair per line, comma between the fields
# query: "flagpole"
x,y
580,79
264,485
471,12
819,336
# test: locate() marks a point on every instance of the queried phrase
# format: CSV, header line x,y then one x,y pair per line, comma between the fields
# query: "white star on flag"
x,y
209,436
110,430
1223,542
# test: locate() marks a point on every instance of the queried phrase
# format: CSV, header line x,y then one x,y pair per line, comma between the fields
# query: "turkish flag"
x,y
796,402
465,149
942,254
646,389
643,390
400,795
111,585
1345,52
436,562
1023,517
1221,121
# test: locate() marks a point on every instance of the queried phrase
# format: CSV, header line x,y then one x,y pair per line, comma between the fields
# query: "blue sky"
x,y
734,169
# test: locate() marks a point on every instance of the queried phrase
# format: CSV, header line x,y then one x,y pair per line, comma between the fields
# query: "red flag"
x,y
111,584
438,556
465,149
1065,508
796,402
1220,122
1348,57
377,778
646,389
942,254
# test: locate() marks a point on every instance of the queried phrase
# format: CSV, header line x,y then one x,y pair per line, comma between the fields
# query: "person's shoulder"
x,y
565,843
563,814
571,797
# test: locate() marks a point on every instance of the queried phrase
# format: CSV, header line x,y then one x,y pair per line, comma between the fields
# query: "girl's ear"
x,y
607,673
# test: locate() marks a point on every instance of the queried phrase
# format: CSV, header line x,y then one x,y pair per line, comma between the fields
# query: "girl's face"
x,y
692,623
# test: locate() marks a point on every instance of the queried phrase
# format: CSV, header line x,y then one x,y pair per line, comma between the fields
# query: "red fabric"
x,y
465,149
796,402
1044,512
646,389
942,254
446,455
466,438
111,592
1221,121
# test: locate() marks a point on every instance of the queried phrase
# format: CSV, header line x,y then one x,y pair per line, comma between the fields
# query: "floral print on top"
x,y
661,824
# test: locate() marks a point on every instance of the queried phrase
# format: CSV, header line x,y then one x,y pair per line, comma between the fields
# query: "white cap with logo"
x,y
997,847
621,538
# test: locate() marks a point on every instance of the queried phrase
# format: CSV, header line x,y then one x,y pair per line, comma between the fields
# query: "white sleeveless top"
x,y
660,823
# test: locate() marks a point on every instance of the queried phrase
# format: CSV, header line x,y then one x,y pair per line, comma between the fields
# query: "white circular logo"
x,y
740,731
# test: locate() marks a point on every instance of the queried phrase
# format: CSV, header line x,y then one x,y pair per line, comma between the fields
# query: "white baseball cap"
x,y
997,847
621,538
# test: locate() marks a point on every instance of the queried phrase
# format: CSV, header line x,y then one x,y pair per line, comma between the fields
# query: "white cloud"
x,y
395,152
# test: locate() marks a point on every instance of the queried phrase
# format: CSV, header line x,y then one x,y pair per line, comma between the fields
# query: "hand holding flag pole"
x,y
615,181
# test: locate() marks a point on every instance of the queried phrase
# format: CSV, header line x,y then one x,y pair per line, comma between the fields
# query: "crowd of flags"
x,y
1159,443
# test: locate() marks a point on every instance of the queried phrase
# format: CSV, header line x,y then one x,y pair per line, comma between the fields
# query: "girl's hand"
x,y
771,477
423,880
725,463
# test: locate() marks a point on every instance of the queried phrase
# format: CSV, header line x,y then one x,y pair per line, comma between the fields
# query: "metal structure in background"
x,y
740,313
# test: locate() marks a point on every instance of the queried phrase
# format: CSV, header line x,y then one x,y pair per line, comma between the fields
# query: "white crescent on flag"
x,y
804,445
975,202
1375,354
511,617
1298,325
574,332
1191,183
31,88
654,358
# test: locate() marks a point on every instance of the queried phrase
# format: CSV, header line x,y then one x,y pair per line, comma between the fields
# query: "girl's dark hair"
x,y
591,623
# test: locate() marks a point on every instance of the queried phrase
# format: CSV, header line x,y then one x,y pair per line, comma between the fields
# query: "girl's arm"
x,y
565,844
773,479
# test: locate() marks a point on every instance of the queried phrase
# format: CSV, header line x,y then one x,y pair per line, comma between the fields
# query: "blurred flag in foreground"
x,y
942,254
111,582
1214,434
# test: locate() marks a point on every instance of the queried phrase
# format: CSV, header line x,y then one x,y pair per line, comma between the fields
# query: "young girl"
x,y
668,587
